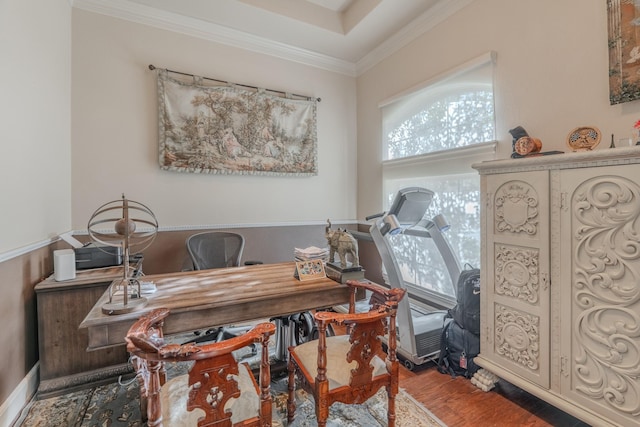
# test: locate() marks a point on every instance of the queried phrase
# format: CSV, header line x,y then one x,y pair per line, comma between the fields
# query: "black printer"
x,y
94,255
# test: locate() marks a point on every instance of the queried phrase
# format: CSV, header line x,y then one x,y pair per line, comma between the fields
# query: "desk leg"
x,y
285,337
293,330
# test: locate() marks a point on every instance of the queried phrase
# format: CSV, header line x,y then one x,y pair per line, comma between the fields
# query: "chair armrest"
x,y
146,333
146,337
182,352
258,334
350,318
381,295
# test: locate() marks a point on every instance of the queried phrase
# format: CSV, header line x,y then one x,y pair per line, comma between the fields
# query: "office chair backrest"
x,y
215,249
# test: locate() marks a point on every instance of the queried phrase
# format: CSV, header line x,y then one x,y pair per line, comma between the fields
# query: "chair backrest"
x,y
215,368
365,332
215,249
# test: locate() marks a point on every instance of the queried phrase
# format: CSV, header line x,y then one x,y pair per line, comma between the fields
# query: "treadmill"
x,y
419,333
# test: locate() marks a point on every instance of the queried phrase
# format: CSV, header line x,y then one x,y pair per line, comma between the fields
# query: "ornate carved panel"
x,y
516,208
607,247
517,336
606,292
517,273
561,246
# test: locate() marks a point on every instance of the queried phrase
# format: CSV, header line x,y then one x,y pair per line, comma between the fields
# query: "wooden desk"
x,y
205,298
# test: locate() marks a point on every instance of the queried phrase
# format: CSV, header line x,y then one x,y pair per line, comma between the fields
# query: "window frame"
x,y
434,163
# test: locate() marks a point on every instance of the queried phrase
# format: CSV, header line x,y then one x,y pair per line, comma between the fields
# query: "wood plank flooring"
x,y
458,403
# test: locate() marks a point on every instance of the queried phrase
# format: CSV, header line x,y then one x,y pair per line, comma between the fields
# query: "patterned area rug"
x,y
118,405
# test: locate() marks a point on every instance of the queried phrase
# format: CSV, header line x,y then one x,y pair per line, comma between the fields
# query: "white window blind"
x,y
432,134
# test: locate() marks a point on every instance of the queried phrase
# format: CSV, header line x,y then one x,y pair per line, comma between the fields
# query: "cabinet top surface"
x,y
570,160
83,277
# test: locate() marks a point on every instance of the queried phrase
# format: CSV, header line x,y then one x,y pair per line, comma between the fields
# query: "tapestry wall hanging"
x,y
225,129
624,50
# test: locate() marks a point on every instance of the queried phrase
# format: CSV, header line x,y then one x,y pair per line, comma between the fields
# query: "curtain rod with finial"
x,y
152,67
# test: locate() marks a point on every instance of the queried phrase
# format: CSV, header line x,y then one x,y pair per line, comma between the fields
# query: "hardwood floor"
x,y
458,403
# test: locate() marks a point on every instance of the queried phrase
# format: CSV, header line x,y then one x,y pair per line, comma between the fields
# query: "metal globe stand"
x,y
123,217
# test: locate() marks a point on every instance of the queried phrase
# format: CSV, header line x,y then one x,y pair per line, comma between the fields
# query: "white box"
x,y
64,264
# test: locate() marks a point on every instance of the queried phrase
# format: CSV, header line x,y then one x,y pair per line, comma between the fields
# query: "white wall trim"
x,y
425,22
250,225
5,256
146,15
473,151
21,395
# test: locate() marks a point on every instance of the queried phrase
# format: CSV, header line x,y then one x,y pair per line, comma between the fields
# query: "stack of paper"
x,y
310,253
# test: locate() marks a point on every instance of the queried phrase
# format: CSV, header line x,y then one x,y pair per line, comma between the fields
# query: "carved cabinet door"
x,y
515,299
600,290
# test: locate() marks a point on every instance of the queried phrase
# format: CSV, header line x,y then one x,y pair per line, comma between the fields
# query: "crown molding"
x,y
425,22
150,16
146,15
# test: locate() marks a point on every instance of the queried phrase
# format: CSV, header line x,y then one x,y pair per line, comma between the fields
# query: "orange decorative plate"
x,y
583,138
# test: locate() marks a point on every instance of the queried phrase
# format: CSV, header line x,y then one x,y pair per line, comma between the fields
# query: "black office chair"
x,y
216,249
219,249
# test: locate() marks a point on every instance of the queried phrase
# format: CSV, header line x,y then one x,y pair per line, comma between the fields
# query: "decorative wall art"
x,y
209,127
624,50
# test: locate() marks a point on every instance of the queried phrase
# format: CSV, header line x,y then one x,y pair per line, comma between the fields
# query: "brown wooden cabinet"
x,y
65,363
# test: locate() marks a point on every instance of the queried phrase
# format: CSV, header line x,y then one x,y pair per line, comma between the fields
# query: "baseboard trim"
x,y
11,408
81,380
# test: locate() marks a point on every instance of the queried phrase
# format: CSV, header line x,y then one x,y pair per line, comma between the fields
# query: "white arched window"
x,y
432,134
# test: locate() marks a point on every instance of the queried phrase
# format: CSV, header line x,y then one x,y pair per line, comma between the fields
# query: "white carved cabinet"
x,y
560,275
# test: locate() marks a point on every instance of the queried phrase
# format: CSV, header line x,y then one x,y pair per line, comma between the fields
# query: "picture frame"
x,y
309,270
624,51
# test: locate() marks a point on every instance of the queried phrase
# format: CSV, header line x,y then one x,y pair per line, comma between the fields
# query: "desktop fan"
x,y
123,217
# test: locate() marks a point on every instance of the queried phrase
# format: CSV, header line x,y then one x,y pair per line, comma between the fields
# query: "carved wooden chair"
x,y
216,391
349,368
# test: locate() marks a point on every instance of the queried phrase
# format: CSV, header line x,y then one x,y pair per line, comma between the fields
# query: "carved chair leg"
x,y
322,404
322,422
140,367
154,411
265,383
391,407
291,399
322,383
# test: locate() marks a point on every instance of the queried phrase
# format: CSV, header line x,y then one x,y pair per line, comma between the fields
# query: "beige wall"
x,y
35,176
35,81
115,130
551,76
110,147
